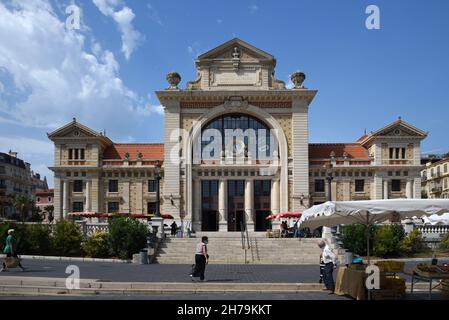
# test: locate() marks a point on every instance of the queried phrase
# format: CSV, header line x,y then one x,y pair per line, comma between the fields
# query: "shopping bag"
x,y
12,262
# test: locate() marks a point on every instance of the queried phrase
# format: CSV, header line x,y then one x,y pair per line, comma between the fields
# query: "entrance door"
x,y
209,205
236,204
262,204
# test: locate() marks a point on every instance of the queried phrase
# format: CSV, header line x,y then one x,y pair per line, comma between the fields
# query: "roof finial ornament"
x,y
298,78
365,132
173,79
399,118
74,119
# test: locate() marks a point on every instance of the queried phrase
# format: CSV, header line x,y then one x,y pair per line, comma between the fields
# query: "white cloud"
x,y
61,79
36,152
253,8
189,49
26,147
123,18
154,15
219,21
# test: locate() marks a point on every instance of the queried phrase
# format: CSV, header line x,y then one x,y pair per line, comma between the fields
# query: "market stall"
x,y
436,275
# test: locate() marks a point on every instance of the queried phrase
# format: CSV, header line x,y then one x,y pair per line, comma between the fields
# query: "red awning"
x,y
110,215
284,215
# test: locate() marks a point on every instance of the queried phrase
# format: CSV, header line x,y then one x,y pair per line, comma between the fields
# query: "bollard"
x,y
144,256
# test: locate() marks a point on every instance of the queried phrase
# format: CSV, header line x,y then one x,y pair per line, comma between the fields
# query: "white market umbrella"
x,y
436,219
369,212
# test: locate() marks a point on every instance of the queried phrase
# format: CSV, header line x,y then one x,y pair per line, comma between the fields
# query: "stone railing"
x,y
433,232
89,229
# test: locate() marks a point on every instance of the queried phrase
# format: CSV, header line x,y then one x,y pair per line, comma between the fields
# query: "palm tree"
x,y
49,209
22,204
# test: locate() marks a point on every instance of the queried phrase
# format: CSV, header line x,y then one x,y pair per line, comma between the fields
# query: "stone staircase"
x,y
227,249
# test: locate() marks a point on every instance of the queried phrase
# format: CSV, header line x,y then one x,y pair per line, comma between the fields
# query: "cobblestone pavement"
x,y
118,272
209,296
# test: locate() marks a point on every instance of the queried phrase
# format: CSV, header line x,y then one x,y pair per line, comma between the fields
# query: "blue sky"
x,y
105,74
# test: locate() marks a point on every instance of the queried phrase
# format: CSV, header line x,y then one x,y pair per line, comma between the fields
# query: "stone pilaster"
x,y
57,199
222,205
300,152
65,199
88,196
385,189
197,205
249,204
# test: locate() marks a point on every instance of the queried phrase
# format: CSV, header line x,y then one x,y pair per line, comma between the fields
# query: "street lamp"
x,y
329,178
157,175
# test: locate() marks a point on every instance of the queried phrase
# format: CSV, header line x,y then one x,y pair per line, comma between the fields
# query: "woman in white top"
x,y
201,259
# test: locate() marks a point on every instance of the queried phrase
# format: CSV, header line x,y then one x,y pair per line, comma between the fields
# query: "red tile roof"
x,y
151,151
323,150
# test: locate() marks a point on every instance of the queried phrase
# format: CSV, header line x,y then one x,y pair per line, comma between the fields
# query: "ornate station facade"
x,y
235,150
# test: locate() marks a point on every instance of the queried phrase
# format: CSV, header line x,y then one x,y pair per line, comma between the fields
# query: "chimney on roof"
x,y
12,154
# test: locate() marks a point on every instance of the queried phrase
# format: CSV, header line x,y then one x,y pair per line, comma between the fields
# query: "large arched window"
x,y
222,134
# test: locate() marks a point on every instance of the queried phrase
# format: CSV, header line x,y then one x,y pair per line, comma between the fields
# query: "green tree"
x,y
97,246
413,243
67,238
354,238
126,236
23,205
50,209
387,240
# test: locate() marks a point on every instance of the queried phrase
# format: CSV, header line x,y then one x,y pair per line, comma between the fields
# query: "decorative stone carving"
x,y
195,84
173,79
127,156
345,155
139,156
298,78
236,58
332,154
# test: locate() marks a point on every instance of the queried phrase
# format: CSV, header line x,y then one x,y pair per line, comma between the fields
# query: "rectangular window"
x,y
78,206
78,186
113,207
151,185
403,153
76,154
319,185
391,153
395,185
82,154
359,185
113,185
70,154
445,168
151,207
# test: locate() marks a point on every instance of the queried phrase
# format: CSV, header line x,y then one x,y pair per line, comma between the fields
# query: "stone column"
x,y
88,197
197,205
275,197
249,204
65,199
222,207
408,189
385,189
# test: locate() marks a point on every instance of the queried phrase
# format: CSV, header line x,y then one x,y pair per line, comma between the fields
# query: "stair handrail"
x,y
242,235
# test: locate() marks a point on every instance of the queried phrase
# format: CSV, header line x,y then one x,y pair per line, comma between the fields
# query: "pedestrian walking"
x,y
330,263
201,259
174,227
11,250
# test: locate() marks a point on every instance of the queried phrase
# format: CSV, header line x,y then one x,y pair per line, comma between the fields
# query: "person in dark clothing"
x,y
321,268
174,227
201,259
